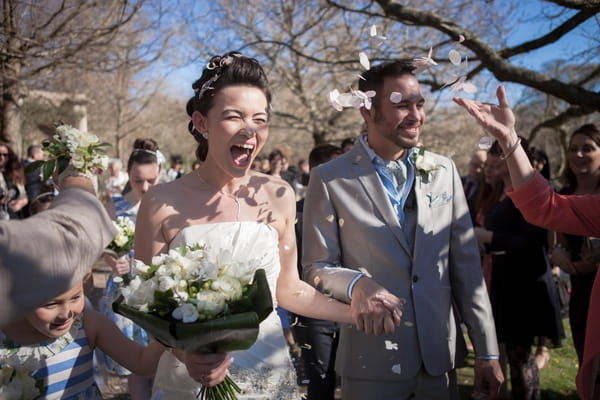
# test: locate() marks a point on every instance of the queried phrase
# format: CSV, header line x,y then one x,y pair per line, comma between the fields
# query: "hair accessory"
x,y
160,158
207,85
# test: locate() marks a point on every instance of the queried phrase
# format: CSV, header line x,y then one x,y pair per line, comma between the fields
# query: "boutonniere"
x,y
424,165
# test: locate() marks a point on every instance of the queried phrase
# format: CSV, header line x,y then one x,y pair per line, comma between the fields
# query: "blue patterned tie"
x,y
386,175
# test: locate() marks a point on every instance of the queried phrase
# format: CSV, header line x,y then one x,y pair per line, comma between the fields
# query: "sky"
x,y
568,47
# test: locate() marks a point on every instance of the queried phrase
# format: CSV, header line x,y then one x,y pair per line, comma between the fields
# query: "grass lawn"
x,y
557,378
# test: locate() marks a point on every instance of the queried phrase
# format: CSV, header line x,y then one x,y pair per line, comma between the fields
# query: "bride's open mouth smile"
x,y
241,154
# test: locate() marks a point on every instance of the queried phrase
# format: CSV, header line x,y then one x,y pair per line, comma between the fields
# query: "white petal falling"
x,y
454,57
378,39
486,142
424,62
395,97
364,60
464,85
469,87
373,30
333,98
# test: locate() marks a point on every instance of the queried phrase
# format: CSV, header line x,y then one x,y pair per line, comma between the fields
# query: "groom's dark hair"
x,y
372,79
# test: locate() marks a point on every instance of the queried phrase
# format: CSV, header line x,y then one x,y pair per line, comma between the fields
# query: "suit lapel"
x,y
369,180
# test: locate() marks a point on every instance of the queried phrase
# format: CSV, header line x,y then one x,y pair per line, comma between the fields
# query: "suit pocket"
x,y
439,199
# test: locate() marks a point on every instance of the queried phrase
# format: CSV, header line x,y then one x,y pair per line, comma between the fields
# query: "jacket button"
x,y
415,278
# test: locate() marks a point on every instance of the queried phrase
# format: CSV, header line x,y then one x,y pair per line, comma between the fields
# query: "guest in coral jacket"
x,y
540,205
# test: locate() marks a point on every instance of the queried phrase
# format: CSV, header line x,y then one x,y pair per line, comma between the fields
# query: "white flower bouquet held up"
x,y
123,241
198,300
82,151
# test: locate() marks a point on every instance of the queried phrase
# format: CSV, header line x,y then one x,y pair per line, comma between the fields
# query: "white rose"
x,y
121,239
142,295
159,259
428,164
165,283
139,267
86,139
244,271
210,302
186,313
208,269
77,160
229,286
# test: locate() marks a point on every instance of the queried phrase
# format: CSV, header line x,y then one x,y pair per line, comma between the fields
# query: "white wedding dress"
x,y
264,371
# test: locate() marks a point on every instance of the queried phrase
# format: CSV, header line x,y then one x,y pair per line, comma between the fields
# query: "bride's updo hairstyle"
x,y
222,71
145,151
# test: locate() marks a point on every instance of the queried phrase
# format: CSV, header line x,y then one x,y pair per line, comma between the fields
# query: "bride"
x,y
224,203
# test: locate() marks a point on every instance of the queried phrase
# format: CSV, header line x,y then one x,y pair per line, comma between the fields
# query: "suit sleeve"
x,y
48,253
468,287
321,248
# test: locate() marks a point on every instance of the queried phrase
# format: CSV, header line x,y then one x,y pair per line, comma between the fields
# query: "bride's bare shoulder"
x,y
169,192
271,185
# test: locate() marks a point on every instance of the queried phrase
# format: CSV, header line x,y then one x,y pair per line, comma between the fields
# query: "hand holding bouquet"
x,y
81,151
200,301
121,245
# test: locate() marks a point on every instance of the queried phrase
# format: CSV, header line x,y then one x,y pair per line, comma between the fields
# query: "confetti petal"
x,y
333,98
454,57
389,345
364,60
486,142
373,30
395,97
469,87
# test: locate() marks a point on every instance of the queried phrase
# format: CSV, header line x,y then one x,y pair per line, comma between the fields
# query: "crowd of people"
x,y
380,257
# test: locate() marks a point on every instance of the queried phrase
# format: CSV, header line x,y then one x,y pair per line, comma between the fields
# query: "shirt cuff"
x,y
352,283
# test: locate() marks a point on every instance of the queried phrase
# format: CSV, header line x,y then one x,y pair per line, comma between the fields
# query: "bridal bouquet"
x,y
82,150
16,382
123,242
199,300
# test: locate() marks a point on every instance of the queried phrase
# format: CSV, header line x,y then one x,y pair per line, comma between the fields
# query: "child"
x,y
62,338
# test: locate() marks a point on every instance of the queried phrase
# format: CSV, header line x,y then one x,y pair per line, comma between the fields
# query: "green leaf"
x,y
48,169
32,166
63,163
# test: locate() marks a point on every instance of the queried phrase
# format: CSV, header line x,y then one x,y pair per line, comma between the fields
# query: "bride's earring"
x,y
205,135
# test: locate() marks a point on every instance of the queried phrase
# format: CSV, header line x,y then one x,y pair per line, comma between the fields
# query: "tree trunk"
x,y
11,119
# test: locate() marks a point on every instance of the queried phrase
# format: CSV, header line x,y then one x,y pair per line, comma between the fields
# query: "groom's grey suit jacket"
x,y
350,226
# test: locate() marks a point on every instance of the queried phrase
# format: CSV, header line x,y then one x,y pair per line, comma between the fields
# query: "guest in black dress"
x,y
522,290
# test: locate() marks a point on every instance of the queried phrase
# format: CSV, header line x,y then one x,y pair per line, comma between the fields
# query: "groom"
x,y
384,218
